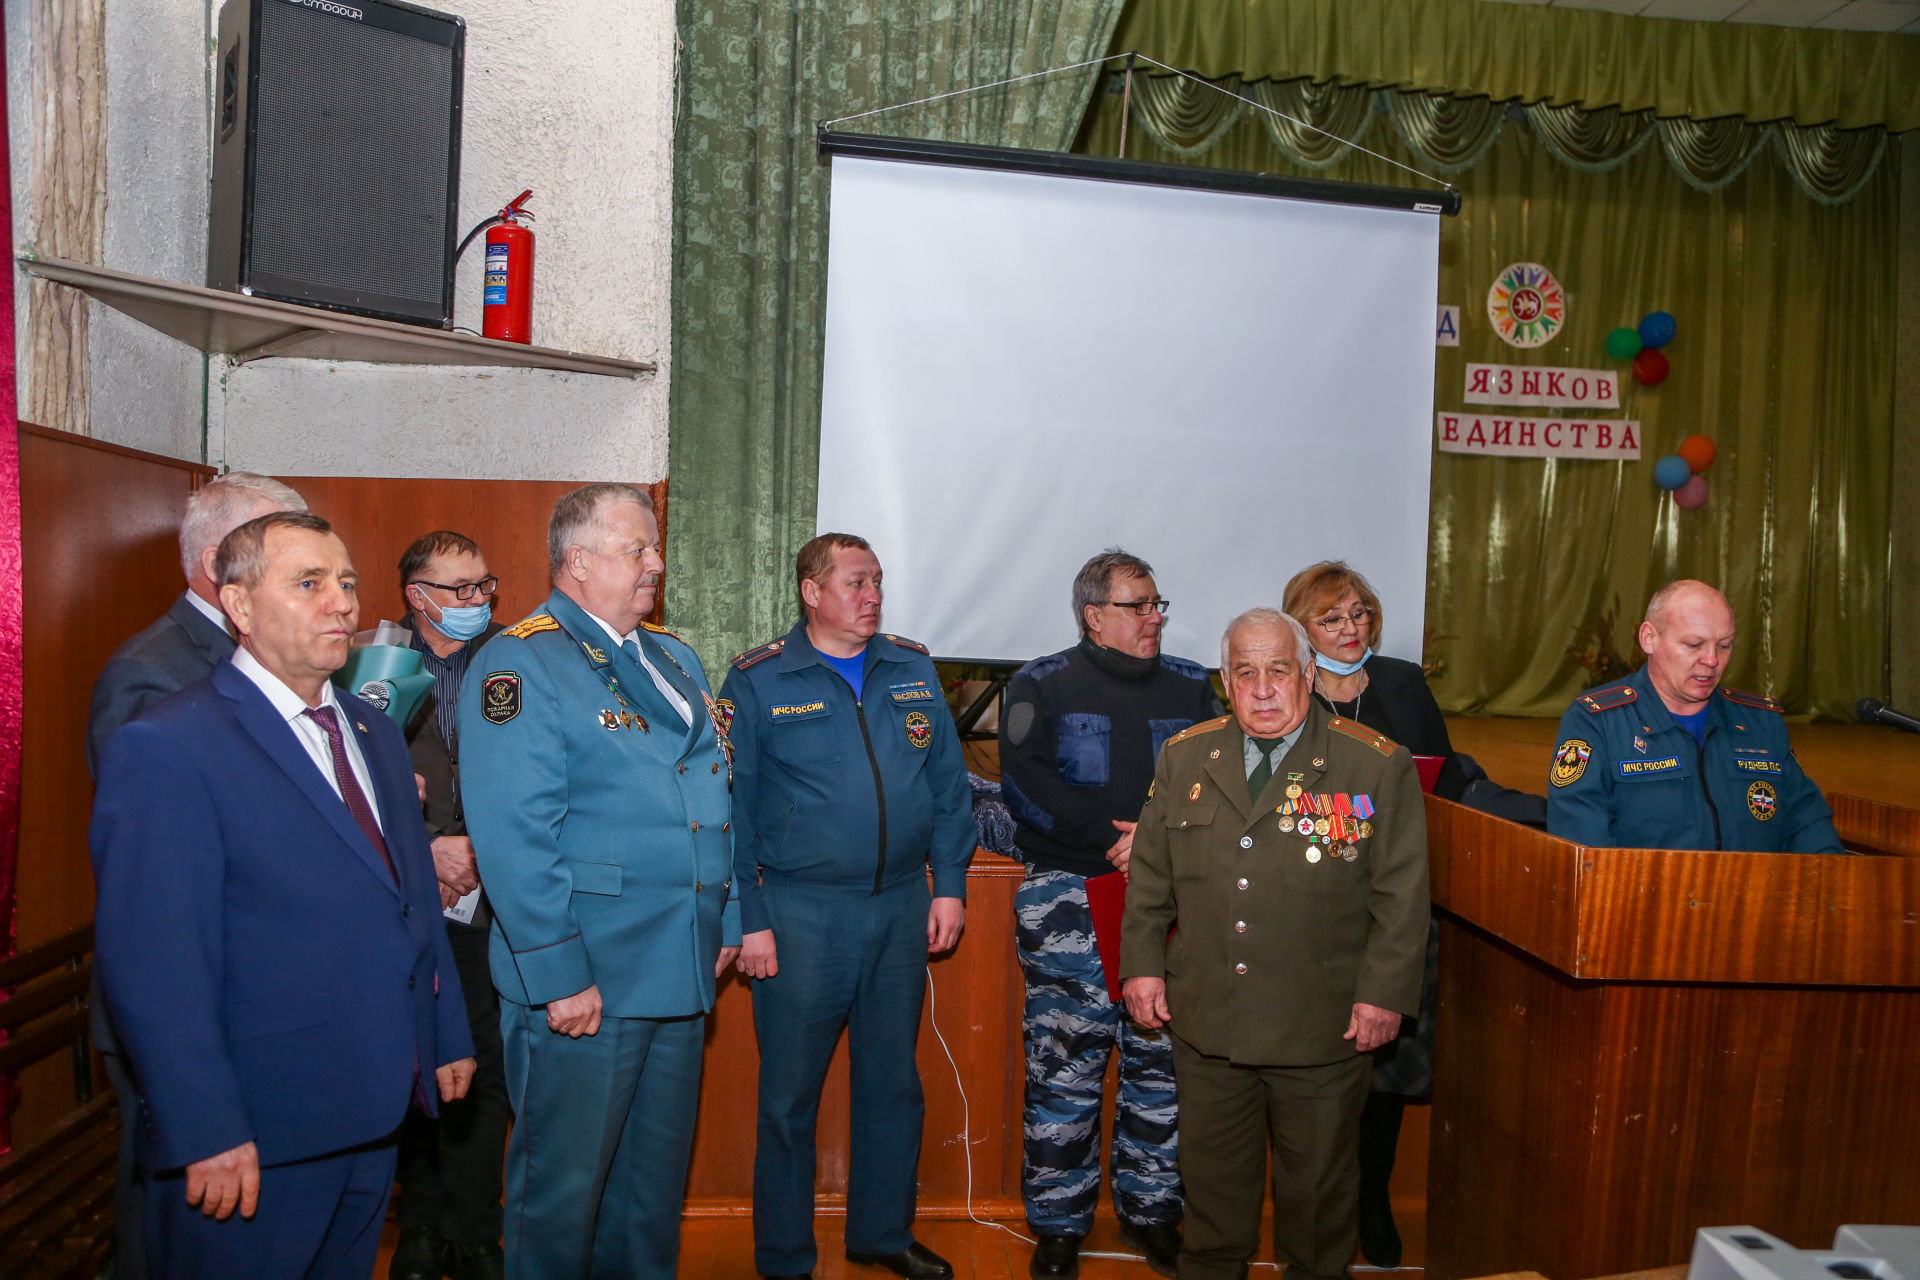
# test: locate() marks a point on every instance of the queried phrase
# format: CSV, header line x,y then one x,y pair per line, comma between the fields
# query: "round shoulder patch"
x,y
1570,761
1761,801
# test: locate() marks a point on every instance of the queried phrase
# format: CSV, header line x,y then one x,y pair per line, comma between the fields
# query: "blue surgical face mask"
x,y
1340,668
464,623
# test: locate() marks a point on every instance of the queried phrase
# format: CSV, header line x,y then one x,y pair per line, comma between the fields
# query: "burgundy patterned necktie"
x,y
350,786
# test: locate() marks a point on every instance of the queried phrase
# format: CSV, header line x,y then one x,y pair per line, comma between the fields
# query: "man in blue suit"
x,y
179,648
267,937
595,774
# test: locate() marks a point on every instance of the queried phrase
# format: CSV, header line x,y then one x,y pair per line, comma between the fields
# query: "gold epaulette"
x,y
905,643
1205,726
760,654
1613,695
1759,701
1360,733
531,625
660,631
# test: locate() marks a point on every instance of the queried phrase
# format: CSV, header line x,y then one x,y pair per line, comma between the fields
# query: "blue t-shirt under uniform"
x,y
854,668
1695,724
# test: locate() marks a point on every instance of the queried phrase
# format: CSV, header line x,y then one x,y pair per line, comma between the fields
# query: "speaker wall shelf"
x,y
248,329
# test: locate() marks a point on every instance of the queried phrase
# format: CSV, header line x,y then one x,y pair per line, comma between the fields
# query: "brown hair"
x,y
1318,587
421,551
815,560
242,556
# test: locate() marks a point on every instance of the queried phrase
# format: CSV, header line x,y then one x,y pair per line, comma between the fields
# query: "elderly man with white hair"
x,y
180,648
1670,758
1287,848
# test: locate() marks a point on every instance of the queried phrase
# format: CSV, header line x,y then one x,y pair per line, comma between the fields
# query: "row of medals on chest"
x,y
1338,832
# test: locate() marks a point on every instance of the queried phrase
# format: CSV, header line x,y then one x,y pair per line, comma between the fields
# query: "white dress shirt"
x,y
210,612
667,691
312,737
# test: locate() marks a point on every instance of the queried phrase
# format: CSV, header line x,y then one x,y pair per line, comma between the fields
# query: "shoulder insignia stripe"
x,y
905,643
761,654
1360,733
660,631
531,626
1758,700
1205,726
1614,695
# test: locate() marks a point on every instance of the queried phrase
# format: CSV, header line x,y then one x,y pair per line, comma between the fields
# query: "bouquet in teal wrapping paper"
x,y
385,671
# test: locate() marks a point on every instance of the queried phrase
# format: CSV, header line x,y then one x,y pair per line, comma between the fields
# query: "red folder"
x,y
1107,899
1429,767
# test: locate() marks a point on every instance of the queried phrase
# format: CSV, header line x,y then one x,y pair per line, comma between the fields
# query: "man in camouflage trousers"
x,y
1077,745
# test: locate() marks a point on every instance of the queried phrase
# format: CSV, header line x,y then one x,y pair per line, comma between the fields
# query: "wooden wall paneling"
x,y
101,560
377,517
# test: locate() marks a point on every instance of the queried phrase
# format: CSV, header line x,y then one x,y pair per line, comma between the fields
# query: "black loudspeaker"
x,y
336,156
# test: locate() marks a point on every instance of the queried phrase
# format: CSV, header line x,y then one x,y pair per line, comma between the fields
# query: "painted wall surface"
x,y
573,100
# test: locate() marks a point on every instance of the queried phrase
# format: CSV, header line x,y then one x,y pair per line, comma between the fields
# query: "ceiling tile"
x,y
1785,13
1693,10
1872,15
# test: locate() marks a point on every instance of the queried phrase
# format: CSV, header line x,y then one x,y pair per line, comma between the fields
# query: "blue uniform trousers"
x,y
317,1219
848,957
597,1164
1071,1029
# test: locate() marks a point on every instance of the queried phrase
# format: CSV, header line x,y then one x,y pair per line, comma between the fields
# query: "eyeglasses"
x,y
1332,623
465,591
1140,608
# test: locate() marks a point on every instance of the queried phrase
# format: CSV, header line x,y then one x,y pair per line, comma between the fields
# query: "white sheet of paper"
x,y
463,909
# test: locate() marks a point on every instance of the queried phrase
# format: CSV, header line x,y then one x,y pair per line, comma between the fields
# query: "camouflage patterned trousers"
x,y
1071,1028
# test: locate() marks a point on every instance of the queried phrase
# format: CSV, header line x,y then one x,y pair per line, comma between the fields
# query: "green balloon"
x,y
1623,343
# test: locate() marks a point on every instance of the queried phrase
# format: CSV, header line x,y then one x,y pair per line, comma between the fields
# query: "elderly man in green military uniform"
x,y
1288,850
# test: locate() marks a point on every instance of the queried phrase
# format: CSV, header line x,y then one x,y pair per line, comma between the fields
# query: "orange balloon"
x,y
1698,451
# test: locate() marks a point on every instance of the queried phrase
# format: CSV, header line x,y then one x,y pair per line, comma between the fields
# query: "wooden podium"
x,y
1635,1043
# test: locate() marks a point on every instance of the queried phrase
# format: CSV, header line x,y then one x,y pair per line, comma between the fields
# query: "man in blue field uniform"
x,y
594,771
1667,759
1077,745
848,785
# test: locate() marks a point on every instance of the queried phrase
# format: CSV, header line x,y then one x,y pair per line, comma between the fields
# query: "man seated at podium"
x,y
1667,759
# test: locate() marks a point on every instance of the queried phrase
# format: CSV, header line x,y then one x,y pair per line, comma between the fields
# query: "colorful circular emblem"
x,y
1570,761
1760,801
1527,305
725,707
919,729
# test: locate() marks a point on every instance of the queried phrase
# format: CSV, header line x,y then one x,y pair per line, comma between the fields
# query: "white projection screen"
x,y
1025,368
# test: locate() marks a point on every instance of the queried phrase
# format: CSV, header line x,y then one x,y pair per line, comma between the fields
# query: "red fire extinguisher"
x,y
507,312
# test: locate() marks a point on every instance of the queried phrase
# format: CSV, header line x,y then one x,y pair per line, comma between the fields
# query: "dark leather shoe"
x,y
1055,1258
476,1262
420,1255
1379,1238
1158,1242
915,1262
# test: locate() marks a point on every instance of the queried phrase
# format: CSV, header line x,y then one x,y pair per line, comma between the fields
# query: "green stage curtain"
x,y
750,245
1543,53
1785,358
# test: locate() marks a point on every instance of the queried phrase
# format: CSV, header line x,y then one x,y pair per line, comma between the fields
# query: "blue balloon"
x,y
1672,471
1657,330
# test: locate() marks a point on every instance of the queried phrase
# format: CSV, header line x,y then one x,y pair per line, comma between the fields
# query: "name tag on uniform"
x,y
1757,766
797,711
1635,768
911,692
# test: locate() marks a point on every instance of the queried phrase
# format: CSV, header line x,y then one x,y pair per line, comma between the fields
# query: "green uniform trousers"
x,y
1227,1114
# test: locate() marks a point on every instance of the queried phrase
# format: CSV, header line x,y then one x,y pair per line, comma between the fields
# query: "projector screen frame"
x,y
834,142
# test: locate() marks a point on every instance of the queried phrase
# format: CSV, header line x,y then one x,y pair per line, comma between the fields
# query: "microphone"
x,y
1874,711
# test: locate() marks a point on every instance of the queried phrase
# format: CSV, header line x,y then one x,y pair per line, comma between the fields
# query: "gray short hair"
x,y
222,505
1264,616
242,557
1095,579
580,514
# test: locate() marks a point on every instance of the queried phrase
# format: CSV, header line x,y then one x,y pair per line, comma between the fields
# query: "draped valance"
x,y
1543,54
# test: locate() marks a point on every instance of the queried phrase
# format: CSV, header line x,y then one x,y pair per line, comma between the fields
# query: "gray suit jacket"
x,y
180,649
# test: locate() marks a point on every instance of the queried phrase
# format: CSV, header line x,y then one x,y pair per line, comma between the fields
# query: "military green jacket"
x,y
1279,927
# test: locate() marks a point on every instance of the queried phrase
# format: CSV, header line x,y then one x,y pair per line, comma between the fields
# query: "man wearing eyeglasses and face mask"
x,y
449,1171
1077,744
